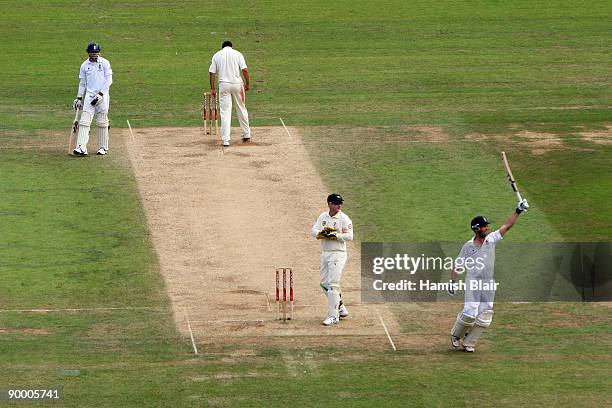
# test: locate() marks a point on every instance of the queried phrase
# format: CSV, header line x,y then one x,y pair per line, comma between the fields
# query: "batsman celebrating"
x,y
478,257
334,228
96,77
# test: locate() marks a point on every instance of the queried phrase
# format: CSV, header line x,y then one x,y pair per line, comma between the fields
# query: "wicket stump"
x,y
210,111
284,272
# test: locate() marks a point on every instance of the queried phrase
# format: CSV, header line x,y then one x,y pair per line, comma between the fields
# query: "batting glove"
x,y
451,288
523,205
96,99
77,104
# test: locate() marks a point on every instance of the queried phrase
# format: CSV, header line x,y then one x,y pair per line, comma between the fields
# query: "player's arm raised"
x,y
521,206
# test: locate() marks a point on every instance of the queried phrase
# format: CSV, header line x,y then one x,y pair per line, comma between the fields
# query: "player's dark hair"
x,y
226,44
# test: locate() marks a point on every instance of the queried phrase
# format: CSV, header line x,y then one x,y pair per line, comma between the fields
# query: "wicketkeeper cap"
x,y
335,198
479,221
93,47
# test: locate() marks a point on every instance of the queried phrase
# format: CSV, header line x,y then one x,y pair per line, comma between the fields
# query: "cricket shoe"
x,y
343,311
468,349
80,151
455,341
226,144
331,320
102,151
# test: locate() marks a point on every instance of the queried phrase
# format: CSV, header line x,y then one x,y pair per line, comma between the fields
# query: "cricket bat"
x,y
511,177
205,108
73,134
216,103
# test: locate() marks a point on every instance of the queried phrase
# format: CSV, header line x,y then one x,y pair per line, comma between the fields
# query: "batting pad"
x,y
485,318
483,321
84,123
333,302
462,324
102,121
473,336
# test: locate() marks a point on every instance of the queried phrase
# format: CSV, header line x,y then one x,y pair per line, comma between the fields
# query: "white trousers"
x,y
478,300
100,110
101,107
332,265
227,92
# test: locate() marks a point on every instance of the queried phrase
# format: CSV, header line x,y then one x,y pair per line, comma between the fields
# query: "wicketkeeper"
x,y
334,228
477,257
96,77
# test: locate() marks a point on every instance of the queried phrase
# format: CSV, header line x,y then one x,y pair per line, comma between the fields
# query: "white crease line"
x,y
130,127
268,302
228,321
386,331
286,130
195,349
139,150
77,309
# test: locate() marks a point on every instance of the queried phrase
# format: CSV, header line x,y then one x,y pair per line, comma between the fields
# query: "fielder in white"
x,y
334,228
227,65
477,257
96,77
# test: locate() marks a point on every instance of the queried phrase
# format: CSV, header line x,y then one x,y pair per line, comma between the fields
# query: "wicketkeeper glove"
x,y
327,233
523,205
77,104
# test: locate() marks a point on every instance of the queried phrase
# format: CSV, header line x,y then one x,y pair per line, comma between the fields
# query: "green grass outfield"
x,y
358,76
460,63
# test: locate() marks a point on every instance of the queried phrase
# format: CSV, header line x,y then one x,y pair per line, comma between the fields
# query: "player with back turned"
x,y
226,67
478,258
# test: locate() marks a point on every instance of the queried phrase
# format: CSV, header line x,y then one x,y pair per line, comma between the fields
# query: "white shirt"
x,y
483,258
228,64
95,76
342,223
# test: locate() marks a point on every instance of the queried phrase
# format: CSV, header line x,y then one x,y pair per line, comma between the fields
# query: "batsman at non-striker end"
x,y
334,228
95,80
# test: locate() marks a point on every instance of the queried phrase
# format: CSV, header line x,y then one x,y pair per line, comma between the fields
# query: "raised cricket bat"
x,y
511,177
73,134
